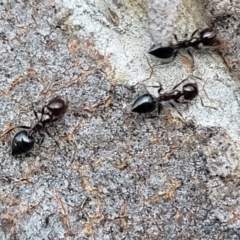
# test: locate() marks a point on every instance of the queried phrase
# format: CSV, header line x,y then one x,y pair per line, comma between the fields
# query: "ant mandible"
x,y
207,38
147,103
24,140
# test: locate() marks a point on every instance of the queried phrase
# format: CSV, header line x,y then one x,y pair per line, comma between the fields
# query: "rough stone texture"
x,y
116,175
174,16
159,12
225,16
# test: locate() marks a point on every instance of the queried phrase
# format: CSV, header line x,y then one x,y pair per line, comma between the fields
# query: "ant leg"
x,y
151,116
152,86
175,54
194,34
191,62
190,54
177,110
177,101
42,135
184,80
183,102
206,105
42,112
43,109
186,102
175,37
154,116
205,82
160,108
35,113
51,136
160,89
11,129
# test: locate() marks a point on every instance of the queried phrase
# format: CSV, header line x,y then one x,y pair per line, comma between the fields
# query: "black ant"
x,y
147,103
207,38
24,140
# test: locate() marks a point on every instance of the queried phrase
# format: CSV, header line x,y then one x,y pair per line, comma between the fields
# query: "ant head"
x,y
144,104
208,37
22,142
57,106
162,52
190,91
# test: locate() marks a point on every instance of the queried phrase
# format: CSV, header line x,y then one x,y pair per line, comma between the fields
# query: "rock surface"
x,y
116,175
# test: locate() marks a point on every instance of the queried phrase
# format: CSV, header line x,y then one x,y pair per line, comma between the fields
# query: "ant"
x,y
207,38
147,103
24,140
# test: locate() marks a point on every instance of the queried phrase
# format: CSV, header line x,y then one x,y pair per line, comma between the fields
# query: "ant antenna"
x,y
11,129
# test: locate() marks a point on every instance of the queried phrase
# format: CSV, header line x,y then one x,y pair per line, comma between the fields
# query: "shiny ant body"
x,y
207,38
24,140
147,103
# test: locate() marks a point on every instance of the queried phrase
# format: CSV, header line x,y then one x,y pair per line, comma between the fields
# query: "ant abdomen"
x,y
22,143
161,52
144,104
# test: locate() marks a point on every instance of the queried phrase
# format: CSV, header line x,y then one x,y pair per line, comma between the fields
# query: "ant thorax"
x,y
193,41
45,117
175,93
36,128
